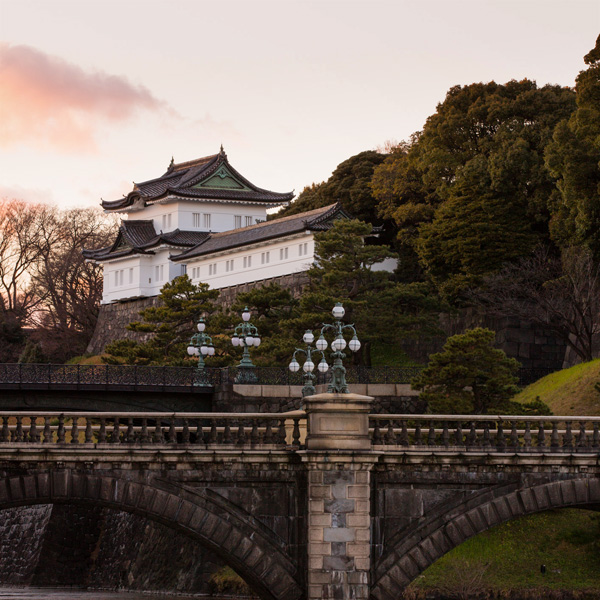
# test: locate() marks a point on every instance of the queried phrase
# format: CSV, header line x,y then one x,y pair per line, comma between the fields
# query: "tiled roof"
x,y
191,180
139,237
318,219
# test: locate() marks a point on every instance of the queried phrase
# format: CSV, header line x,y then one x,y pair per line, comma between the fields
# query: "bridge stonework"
x,y
333,502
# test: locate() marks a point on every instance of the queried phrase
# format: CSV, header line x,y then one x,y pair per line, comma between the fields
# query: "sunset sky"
x,y
95,94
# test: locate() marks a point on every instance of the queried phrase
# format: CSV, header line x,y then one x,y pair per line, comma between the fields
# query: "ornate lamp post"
x,y
246,335
338,381
309,365
201,345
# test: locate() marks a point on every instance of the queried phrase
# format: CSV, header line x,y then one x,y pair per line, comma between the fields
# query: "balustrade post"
x,y
89,432
61,429
568,436
554,435
418,440
34,437
74,431
582,441
596,436
47,431
527,435
514,435
102,432
541,437
500,441
431,434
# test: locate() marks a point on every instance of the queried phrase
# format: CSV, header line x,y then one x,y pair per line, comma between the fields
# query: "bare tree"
x,y
70,288
560,294
20,231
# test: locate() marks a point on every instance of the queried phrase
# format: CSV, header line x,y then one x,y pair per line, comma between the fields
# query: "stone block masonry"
x,y
339,520
339,529
114,318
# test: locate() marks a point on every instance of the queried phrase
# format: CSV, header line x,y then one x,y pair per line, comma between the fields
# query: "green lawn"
x,y
508,557
568,392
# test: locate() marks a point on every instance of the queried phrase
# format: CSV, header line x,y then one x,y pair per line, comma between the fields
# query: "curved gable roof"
x,y
208,178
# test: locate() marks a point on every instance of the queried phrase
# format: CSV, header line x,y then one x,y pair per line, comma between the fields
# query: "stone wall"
x,y
69,545
21,538
114,318
533,347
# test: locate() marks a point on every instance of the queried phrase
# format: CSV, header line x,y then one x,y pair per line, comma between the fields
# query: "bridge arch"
x,y
442,532
241,541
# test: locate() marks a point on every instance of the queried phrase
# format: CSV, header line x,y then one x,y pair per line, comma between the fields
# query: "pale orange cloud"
x,y
47,101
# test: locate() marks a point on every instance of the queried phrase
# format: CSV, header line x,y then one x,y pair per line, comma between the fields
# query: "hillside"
x,y
508,557
568,392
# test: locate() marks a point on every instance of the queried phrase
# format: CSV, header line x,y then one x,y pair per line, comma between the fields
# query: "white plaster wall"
x,y
139,276
199,270
182,215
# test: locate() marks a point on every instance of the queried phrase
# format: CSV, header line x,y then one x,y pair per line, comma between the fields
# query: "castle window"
x,y
206,221
283,253
247,262
237,221
229,265
130,276
212,269
265,258
248,221
303,249
166,222
196,220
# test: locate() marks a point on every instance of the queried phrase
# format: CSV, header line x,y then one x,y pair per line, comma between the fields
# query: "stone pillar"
x,y
339,459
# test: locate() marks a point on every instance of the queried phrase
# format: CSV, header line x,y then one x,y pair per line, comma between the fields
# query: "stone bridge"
x,y
328,502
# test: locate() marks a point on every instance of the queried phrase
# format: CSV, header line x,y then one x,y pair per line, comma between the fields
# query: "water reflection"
x,y
67,594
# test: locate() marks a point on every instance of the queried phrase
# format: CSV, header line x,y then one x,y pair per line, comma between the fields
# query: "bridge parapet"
x,y
281,430
494,433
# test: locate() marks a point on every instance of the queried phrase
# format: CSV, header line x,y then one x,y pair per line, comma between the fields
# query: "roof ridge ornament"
x,y
222,152
171,164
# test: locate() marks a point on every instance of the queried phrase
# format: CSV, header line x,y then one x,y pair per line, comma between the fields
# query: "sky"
x,y
97,94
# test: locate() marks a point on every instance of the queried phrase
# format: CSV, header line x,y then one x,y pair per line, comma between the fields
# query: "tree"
x,y
273,307
68,286
468,376
21,226
382,309
349,184
573,157
484,138
560,294
169,325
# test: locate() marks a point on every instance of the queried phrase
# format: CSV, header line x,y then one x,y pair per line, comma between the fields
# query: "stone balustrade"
x,y
493,433
197,429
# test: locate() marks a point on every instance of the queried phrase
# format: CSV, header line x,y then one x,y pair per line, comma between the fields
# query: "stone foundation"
x,y
114,318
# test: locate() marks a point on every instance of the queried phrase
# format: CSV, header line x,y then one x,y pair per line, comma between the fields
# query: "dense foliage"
x,y
349,185
169,325
574,158
471,190
468,376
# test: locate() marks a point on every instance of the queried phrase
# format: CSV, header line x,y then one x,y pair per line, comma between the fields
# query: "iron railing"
x,y
486,432
49,376
202,430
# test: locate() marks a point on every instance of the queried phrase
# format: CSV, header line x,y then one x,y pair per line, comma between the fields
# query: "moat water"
x,y
8,593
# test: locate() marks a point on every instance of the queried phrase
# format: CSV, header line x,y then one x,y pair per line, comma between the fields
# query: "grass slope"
x,y
568,392
509,556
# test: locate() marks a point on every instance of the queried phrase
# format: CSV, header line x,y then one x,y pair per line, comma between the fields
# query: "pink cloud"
x,y
48,101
